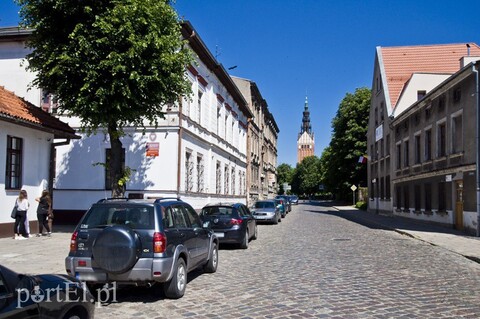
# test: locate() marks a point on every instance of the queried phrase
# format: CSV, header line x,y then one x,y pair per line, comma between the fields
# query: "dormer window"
x,y
421,94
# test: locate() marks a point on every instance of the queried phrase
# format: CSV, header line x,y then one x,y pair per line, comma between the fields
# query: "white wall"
x,y
418,82
13,75
36,156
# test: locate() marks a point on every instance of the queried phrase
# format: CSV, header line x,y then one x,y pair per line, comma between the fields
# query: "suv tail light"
x,y
73,242
159,242
235,221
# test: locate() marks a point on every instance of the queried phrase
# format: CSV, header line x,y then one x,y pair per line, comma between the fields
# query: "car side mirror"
x,y
206,225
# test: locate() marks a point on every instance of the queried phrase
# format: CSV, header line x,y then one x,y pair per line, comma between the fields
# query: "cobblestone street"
x,y
314,264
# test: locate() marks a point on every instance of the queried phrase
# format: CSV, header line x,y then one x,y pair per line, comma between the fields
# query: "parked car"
x,y
43,296
282,206
293,199
232,223
266,211
141,242
288,205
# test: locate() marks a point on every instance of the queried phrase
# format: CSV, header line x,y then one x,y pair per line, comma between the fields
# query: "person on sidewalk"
x,y
43,210
22,207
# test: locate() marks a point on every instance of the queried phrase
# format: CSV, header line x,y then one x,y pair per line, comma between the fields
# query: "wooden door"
x,y
459,205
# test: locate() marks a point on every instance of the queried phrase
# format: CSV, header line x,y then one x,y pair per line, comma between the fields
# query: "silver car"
x,y
266,211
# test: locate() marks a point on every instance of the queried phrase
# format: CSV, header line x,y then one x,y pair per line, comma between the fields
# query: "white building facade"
x,y
197,152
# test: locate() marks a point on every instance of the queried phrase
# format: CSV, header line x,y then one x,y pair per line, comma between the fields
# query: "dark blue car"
x,y
43,296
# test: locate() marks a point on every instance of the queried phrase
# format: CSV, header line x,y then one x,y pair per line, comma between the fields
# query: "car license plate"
x,y
220,235
91,276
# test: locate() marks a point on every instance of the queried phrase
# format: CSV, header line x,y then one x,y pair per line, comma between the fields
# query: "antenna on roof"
x,y
468,49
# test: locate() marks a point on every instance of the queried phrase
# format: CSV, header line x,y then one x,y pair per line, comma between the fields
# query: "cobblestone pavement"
x,y
314,264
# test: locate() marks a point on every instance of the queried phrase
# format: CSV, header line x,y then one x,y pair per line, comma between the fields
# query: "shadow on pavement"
x,y
385,222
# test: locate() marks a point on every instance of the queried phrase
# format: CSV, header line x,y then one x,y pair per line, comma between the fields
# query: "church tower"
x,y
306,139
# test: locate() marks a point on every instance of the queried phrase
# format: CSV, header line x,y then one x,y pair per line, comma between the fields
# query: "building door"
x,y
459,205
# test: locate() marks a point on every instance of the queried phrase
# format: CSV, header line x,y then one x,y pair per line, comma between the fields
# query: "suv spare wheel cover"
x,y
116,249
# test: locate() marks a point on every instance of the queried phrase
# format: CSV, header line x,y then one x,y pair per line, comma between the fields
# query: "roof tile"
x,y
14,107
401,62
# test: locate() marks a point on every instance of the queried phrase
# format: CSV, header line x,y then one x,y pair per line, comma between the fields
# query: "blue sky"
x,y
325,49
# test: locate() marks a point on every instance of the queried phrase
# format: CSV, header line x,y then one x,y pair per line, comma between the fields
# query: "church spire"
x,y
306,126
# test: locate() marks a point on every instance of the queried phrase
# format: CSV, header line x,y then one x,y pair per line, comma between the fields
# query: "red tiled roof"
x,y
401,62
14,108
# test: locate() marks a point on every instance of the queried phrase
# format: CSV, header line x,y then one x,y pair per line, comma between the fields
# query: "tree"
x,y
112,63
339,162
284,173
306,177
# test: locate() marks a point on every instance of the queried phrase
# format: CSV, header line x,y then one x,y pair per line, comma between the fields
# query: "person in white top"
x,y
22,207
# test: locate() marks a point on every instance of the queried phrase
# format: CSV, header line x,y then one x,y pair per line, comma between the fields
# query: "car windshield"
x,y
139,217
217,210
264,205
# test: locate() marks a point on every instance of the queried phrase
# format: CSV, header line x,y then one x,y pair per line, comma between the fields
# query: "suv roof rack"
x,y
111,198
158,200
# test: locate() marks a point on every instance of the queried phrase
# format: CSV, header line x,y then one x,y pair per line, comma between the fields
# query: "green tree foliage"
x,y
306,176
284,175
112,63
339,162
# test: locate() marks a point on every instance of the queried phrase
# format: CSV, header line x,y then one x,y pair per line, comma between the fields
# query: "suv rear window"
x,y
217,210
138,217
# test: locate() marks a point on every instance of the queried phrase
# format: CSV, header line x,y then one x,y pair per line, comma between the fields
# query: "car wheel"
x,y
244,244
212,263
117,249
255,232
175,288
275,221
76,313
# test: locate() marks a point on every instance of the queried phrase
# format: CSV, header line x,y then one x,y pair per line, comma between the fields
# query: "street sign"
x,y
353,188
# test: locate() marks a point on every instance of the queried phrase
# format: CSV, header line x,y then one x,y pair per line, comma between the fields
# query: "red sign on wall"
x,y
153,149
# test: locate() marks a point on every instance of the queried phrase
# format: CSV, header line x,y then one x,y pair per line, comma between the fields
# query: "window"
x,y
399,156
457,95
398,200
406,198
441,103
442,139
428,197
417,149
372,187
406,154
457,134
382,187
199,107
376,116
233,181
179,217
13,170
219,116
226,185
200,174
421,94
442,196
108,177
387,187
387,146
218,179
192,216
418,198
428,145
188,171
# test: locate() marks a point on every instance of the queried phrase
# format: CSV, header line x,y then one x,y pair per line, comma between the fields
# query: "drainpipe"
x,y
179,152
477,146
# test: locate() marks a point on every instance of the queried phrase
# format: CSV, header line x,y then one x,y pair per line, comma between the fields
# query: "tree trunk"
x,y
116,165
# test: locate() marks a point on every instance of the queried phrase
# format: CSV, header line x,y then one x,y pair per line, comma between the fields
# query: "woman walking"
x,y
44,204
22,206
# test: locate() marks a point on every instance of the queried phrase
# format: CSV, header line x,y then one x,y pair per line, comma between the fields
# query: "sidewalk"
x,y
448,238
